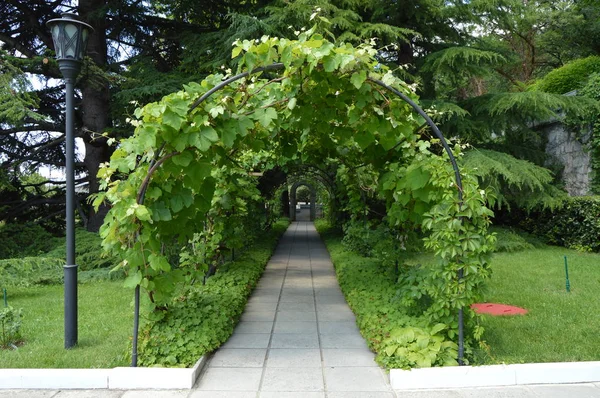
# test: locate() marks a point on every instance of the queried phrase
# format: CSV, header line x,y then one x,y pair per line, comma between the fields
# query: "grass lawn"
x,y
105,322
560,326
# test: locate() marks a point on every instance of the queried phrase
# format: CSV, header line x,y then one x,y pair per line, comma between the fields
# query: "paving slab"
x,y
222,394
90,394
566,391
504,392
258,316
295,340
283,394
356,379
430,394
295,327
338,327
230,379
294,358
296,316
361,394
239,357
351,340
156,394
248,340
254,327
348,357
28,393
293,379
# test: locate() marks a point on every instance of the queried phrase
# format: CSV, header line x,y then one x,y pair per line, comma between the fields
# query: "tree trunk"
x,y
95,105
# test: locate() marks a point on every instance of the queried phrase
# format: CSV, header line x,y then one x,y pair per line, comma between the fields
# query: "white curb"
x,y
495,375
117,378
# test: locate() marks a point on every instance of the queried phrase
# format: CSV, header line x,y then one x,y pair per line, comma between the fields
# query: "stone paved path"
x,y
298,338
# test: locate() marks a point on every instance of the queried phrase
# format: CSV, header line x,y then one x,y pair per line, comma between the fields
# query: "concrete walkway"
x,y
298,338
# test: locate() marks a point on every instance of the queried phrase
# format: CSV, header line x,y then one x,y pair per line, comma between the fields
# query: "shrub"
x,y
25,240
576,224
388,245
30,271
88,251
571,76
510,241
10,327
203,318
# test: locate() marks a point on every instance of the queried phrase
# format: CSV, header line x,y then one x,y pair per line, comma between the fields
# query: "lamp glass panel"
x,y
71,38
84,39
57,40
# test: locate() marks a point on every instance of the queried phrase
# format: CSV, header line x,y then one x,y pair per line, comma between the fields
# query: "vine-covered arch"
x,y
293,201
193,159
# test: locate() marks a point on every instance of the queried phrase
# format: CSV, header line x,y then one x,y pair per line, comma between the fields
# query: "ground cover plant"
x,y
104,327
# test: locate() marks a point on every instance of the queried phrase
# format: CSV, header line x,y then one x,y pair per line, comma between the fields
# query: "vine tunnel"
x,y
159,158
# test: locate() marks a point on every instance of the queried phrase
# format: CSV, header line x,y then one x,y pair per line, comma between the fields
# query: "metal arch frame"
x,y
313,198
405,98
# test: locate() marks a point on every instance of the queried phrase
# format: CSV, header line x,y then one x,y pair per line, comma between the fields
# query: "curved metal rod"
x,y
438,133
419,110
227,82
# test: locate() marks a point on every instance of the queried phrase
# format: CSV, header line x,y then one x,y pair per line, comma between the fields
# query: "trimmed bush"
x,y
576,224
201,320
569,77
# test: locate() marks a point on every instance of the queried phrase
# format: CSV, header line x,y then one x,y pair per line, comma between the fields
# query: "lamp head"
x,y
70,40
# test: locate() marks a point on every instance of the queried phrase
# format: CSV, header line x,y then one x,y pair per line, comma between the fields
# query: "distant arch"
x,y
293,202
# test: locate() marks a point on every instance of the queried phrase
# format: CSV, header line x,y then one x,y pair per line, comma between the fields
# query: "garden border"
x,y
120,378
495,375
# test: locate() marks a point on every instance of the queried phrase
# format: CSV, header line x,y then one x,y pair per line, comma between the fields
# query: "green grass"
x,y
105,321
560,326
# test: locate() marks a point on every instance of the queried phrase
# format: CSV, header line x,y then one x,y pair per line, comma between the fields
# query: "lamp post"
x,y
70,38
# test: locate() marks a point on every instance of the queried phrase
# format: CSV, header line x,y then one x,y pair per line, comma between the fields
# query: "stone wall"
x,y
569,149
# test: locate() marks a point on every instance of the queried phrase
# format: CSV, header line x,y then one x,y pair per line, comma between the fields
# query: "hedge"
x,y
576,224
569,77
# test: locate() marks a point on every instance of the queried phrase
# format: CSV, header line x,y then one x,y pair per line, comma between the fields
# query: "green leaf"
x,y
204,138
158,263
245,124
172,119
176,203
364,138
265,116
358,78
390,350
133,280
292,103
160,212
228,134
142,213
183,159
331,63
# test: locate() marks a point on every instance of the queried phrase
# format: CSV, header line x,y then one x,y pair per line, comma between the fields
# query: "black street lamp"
x,y
70,39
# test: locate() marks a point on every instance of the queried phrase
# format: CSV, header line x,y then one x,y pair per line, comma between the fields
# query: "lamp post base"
x,y
70,273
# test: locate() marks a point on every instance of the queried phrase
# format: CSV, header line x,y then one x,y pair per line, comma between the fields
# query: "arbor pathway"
x,y
297,336
297,339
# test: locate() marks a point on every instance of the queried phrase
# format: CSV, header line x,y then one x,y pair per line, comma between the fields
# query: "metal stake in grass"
x,y
5,298
568,284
